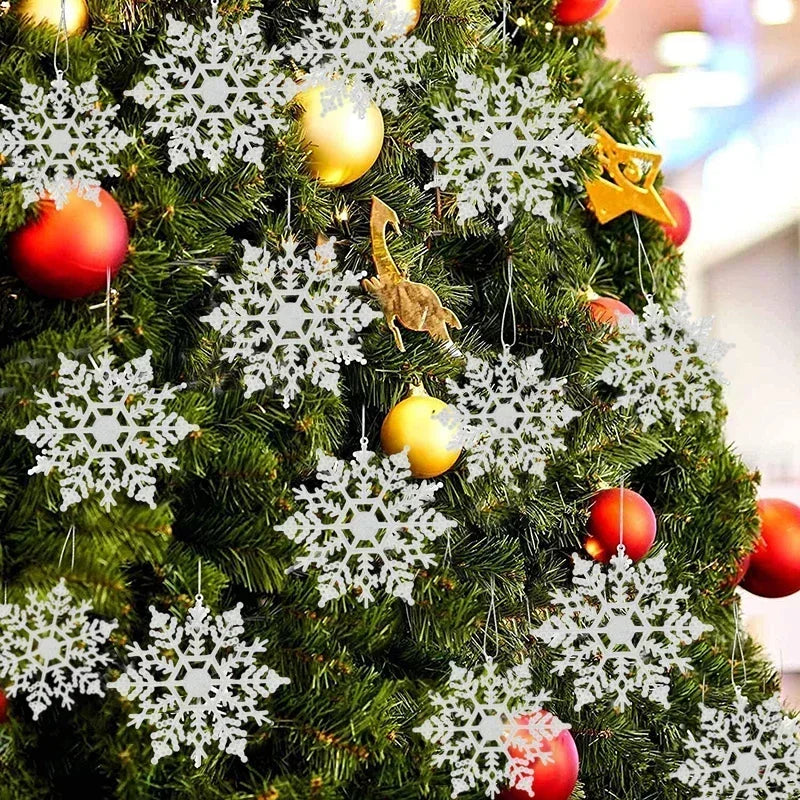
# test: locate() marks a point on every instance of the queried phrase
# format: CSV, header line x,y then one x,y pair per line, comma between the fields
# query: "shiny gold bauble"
x,y
38,11
411,7
412,423
606,10
342,144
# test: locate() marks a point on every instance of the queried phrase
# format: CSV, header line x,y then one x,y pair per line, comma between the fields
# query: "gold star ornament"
x,y
627,182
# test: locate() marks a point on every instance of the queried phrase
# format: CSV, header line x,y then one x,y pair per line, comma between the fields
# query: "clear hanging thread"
x,y
509,308
70,537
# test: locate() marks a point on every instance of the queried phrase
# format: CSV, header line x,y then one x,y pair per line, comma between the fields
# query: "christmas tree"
x,y
309,402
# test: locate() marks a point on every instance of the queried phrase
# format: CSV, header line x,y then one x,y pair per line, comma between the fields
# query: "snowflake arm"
x,y
366,527
198,682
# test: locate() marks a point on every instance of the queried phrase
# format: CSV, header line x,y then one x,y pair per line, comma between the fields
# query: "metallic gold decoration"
x,y
411,7
342,144
414,305
38,11
631,188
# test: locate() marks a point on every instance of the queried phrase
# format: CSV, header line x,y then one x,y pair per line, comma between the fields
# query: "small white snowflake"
x,y
665,363
50,649
357,51
198,682
504,145
61,140
106,431
507,415
215,91
366,526
751,754
490,727
620,630
291,317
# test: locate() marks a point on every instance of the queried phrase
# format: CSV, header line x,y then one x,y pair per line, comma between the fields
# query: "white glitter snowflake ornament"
x,y
106,431
750,754
62,139
216,90
621,630
198,682
490,729
504,146
50,649
291,317
366,527
357,50
507,416
665,363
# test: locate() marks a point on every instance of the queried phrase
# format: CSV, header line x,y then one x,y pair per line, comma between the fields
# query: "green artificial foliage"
x,y
360,677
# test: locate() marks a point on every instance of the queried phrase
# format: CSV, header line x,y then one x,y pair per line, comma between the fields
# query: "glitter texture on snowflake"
x,y
291,317
506,416
620,630
61,140
357,50
50,649
489,727
198,682
106,431
665,363
504,145
366,526
215,91
752,754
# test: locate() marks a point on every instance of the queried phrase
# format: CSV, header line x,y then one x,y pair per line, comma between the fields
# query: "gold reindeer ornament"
x,y
414,305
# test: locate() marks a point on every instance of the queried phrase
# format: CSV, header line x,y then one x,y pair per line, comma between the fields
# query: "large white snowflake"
x,y
215,91
106,431
366,526
504,145
750,754
490,727
62,139
507,414
50,649
357,50
665,363
198,682
291,317
620,630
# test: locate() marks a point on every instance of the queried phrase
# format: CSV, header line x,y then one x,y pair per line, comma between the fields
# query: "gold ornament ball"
x,y
342,144
412,423
411,7
607,10
38,11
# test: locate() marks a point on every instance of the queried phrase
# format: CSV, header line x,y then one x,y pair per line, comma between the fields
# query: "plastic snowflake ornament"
x,y
504,145
106,431
215,91
489,727
50,649
198,682
750,754
366,527
620,631
291,317
665,363
507,416
62,139
357,51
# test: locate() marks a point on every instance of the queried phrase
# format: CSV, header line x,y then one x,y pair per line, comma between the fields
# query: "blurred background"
x,y
723,80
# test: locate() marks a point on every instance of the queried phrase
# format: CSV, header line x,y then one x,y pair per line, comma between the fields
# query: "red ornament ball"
x,y
553,779
3,707
573,12
774,569
607,310
615,509
679,232
65,253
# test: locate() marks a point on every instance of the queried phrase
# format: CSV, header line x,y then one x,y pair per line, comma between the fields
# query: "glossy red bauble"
x,y
679,232
3,707
66,253
554,779
607,310
615,510
774,569
573,12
